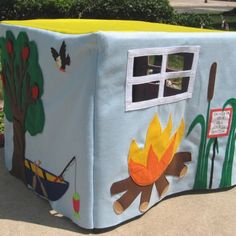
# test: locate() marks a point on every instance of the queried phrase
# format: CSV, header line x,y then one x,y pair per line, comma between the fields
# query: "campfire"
x,y
149,165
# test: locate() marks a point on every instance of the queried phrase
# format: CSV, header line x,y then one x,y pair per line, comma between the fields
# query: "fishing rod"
x,y
66,167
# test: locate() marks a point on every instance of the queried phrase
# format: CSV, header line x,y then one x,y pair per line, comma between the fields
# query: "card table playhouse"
x,y
106,118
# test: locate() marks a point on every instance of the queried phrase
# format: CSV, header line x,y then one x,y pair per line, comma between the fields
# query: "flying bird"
x,y
62,60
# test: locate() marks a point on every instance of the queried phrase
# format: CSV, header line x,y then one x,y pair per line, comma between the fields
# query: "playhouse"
x,y
106,118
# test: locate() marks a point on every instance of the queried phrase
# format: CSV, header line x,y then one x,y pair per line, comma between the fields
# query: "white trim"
x,y
163,50
157,101
162,76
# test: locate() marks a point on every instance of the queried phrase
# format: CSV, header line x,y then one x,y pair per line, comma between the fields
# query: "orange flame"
x,y
147,164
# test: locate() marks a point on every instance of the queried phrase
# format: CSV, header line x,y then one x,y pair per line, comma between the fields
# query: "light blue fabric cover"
x,y
85,114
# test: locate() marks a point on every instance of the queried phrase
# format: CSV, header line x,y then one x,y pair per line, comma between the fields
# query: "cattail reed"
x,y
211,85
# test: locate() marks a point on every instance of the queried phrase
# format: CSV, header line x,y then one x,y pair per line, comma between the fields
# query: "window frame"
x,y
162,76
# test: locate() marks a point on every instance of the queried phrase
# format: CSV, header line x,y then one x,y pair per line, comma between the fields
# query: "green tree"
x,y
23,88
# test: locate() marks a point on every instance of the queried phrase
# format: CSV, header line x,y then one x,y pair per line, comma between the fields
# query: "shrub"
x,y
231,12
29,9
149,10
193,20
7,9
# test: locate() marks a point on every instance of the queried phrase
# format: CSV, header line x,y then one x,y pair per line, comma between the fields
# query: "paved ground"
x,y
201,6
24,214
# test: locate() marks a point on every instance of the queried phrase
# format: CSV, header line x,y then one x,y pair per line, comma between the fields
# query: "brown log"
x,y
121,186
118,208
145,198
132,191
126,199
162,185
177,166
184,156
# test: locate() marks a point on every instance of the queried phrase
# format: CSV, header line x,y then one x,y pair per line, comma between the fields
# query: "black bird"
x,y
61,59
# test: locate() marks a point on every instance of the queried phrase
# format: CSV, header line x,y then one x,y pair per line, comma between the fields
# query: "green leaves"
x,y
192,19
200,181
149,10
199,120
200,178
35,118
34,69
22,75
1,122
5,57
226,176
205,147
7,108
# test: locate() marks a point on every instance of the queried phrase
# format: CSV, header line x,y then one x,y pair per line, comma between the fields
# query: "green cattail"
x,y
211,85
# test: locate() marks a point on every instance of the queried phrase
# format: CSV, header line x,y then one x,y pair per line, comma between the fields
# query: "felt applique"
x,y
149,165
227,171
215,125
200,181
43,182
62,60
161,75
23,88
219,122
76,205
76,196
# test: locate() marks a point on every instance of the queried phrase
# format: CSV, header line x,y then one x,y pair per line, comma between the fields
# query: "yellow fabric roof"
x,y
84,26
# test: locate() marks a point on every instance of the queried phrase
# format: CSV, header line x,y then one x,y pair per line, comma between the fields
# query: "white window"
x,y
158,76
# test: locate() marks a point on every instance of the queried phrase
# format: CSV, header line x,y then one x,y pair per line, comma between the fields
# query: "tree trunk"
x,y
18,167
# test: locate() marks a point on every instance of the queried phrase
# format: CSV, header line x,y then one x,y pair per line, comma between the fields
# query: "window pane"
x,y
176,86
179,62
174,83
147,65
143,92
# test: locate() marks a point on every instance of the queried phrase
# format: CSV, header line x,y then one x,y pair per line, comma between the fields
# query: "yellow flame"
x,y
158,139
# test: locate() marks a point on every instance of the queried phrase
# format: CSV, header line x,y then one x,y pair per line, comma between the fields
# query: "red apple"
x,y
3,80
35,92
25,53
9,47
